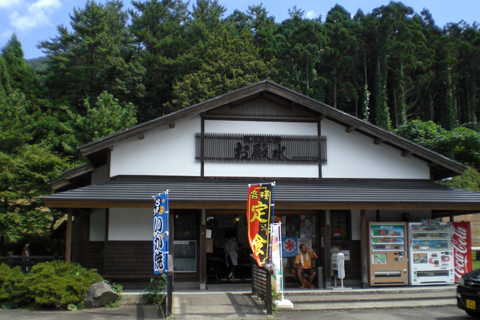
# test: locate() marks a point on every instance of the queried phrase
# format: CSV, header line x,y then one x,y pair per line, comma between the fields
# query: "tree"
x,y
460,144
106,118
97,56
158,28
340,59
229,64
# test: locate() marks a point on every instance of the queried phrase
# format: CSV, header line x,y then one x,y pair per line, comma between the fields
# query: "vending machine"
x,y
431,252
388,255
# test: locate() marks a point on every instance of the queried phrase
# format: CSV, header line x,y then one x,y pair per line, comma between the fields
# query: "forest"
x,y
114,68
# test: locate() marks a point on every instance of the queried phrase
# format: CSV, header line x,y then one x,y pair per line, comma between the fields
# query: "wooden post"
x,y
327,267
68,237
364,246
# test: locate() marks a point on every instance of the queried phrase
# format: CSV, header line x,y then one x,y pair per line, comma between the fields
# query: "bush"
x,y
12,287
156,290
50,284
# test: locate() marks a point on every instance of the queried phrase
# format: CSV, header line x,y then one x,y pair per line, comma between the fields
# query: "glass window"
x,y
186,225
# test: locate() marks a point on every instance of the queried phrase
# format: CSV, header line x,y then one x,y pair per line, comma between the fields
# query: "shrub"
x,y
50,284
155,291
12,287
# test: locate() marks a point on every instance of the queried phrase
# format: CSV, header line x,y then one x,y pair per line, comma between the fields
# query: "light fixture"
x,y
237,218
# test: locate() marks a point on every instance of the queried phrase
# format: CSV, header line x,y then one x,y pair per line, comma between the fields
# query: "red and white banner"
x,y
462,249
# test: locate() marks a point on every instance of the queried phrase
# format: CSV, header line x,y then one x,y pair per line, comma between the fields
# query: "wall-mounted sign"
x,y
248,148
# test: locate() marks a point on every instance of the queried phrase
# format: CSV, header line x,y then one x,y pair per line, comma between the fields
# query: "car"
x,y
468,293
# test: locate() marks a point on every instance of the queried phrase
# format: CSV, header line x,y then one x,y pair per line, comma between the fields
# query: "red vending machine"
x,y
462,249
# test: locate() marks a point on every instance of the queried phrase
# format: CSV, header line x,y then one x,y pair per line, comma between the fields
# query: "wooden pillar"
x,y
203,251
68,237
364,247
327,266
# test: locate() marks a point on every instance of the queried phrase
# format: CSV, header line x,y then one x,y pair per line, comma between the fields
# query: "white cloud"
x,y
311,15
9,3
32,15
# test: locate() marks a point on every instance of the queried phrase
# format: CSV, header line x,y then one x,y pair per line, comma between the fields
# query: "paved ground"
x,y
139,312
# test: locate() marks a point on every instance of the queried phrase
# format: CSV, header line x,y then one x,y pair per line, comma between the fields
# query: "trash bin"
x,y
320,278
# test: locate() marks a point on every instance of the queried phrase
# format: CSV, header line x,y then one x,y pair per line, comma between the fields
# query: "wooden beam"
x,y
172,125
407,153
59,184
350,129
68,237
141,136
323,116
377,141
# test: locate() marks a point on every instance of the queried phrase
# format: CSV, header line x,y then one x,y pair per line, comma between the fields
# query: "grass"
x,y
476,263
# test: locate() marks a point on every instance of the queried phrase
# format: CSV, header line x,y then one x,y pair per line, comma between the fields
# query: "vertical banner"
x,y
160,233
259,215
462,249
276,235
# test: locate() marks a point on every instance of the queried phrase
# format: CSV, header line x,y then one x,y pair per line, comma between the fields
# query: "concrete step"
x,y
372,298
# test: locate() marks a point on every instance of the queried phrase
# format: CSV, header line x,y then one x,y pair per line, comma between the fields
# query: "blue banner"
x,y
160,233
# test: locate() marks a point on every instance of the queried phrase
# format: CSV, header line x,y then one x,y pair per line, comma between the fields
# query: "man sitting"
x,y
304,266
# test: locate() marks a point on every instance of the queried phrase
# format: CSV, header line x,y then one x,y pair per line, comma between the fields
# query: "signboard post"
x,y
160,233
161,257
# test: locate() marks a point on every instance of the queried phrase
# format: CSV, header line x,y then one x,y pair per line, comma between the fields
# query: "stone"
x,y
99,294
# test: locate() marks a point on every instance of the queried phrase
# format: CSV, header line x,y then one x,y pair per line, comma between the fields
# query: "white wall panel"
x,y
354,155
97,225
163,151
130,224
356,224
264,169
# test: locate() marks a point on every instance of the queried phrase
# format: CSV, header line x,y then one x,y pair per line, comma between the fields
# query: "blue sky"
x,y
36,20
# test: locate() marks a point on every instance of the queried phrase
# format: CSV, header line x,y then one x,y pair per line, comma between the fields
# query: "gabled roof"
x,y
441,166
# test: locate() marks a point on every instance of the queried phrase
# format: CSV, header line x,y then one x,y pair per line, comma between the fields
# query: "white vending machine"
x,y
431,252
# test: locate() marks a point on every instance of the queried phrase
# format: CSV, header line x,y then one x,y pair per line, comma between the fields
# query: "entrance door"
x,y
220,226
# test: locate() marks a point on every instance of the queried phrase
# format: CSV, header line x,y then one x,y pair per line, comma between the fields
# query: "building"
x,y
334,173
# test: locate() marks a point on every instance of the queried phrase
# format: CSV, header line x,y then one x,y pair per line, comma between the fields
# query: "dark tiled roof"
x,y
134,189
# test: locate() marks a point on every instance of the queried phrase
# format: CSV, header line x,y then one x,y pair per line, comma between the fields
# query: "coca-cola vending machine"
x,y
462,249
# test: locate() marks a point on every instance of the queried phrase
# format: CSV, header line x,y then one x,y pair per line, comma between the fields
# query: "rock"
x,y
99,294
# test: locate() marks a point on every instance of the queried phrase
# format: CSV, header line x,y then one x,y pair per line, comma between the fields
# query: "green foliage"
x,y
229,64
119,290
12,287
156,290
51,284
460,144
107,117
469,180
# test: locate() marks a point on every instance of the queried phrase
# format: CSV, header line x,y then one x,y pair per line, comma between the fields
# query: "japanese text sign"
x,y
160,234
259,215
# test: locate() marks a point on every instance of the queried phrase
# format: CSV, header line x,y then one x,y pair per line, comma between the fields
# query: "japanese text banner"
x,y
259,215
160,234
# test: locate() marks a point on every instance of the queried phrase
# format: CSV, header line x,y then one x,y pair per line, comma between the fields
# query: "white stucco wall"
x,y
354,155
163,151
355,223
130,224
255,169
97,225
